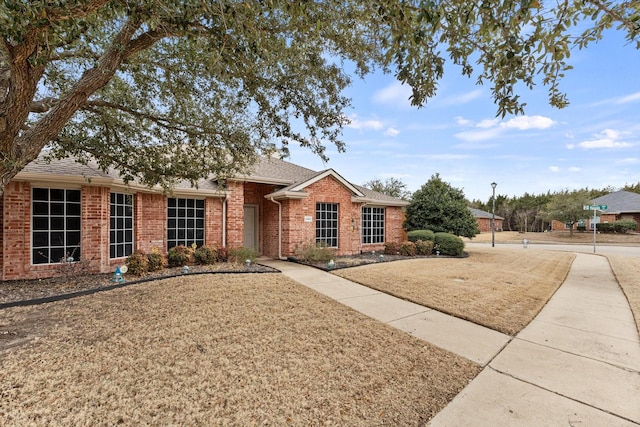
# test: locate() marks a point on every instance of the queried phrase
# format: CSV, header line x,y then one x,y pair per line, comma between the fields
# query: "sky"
x,y
594,142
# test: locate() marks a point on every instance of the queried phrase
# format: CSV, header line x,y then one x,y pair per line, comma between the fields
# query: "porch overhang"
x,y
375,202
287,195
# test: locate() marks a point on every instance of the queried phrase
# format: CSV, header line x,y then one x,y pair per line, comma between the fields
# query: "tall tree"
x,y
439,207
393,187
567,206
167,89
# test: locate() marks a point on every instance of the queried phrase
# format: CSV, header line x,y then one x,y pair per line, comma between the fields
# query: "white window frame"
x,y
327,224
121,225
373,224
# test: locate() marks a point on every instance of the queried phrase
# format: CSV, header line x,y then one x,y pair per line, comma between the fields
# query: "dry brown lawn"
x,y
498,288
627,271
218,350
562,237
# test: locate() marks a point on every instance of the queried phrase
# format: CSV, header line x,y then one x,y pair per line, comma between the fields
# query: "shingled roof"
x,y
478,213
619,202
267,170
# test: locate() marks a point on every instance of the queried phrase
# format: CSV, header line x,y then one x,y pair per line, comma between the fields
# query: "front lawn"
x,y
217,350
498,288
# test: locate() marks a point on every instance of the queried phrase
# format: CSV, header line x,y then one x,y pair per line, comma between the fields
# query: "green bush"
x,y
582,228
622,226
424,235
407,248
391,248
205,255
240,255
155,261
312,252
137,263
424,247
449,244
179,255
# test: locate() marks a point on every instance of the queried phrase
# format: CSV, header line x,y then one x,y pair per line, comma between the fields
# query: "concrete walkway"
x,y
576,364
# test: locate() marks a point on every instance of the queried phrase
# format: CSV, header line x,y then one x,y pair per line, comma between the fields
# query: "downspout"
x,y
360,237
279,227
224,220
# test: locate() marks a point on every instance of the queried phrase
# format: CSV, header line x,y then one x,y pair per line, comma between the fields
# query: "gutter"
x,y
279,227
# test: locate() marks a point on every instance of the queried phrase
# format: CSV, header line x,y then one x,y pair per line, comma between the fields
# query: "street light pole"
x,y
493,215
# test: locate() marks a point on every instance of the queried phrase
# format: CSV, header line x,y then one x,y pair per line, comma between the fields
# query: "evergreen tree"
x,y
439,207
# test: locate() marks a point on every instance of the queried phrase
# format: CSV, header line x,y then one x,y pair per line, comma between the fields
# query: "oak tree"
x,y
180,89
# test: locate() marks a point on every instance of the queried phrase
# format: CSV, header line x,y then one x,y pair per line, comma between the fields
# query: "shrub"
x,y
240,255
424,247
449,244
205,255
137,263
424,235
222,255
179,255
582,228
391,248
622,226
314,252
407,248
155,261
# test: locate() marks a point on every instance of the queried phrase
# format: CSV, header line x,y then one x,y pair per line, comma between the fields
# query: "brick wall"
x,y
484,224
16,233
150,210
235,215
328,190
150,214
94,245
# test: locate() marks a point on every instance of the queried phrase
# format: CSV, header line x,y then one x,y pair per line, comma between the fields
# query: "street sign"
x,y
595,207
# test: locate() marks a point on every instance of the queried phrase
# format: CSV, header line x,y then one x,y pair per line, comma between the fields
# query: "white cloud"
x,y
356,123
392,132
629,161
608,138
462,121
463,98
488,123
529,122
479,135
554,169
629,98
394,94
574,169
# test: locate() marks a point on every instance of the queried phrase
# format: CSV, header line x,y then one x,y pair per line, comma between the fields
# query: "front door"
x,y
250,239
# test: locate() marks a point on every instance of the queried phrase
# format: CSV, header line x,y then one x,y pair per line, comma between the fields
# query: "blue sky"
x,y
594,142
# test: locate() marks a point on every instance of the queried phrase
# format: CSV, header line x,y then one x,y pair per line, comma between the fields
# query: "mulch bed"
x,y
365,258
13,291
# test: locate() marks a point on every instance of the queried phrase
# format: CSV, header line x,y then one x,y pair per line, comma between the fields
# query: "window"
x,y
327,224
185,222
55,225
372,225
121,225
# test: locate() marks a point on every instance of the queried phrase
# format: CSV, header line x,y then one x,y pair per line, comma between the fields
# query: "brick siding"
x,y
150,212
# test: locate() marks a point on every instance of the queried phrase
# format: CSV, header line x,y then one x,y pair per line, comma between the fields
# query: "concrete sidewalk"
x,y
577,363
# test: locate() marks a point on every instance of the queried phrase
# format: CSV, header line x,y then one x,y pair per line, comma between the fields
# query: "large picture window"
x,y
327,224
185,222
55,225
121,225
372,225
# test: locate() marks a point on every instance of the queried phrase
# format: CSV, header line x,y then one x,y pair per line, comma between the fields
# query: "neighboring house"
x,y
484,220
620,205
65,210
